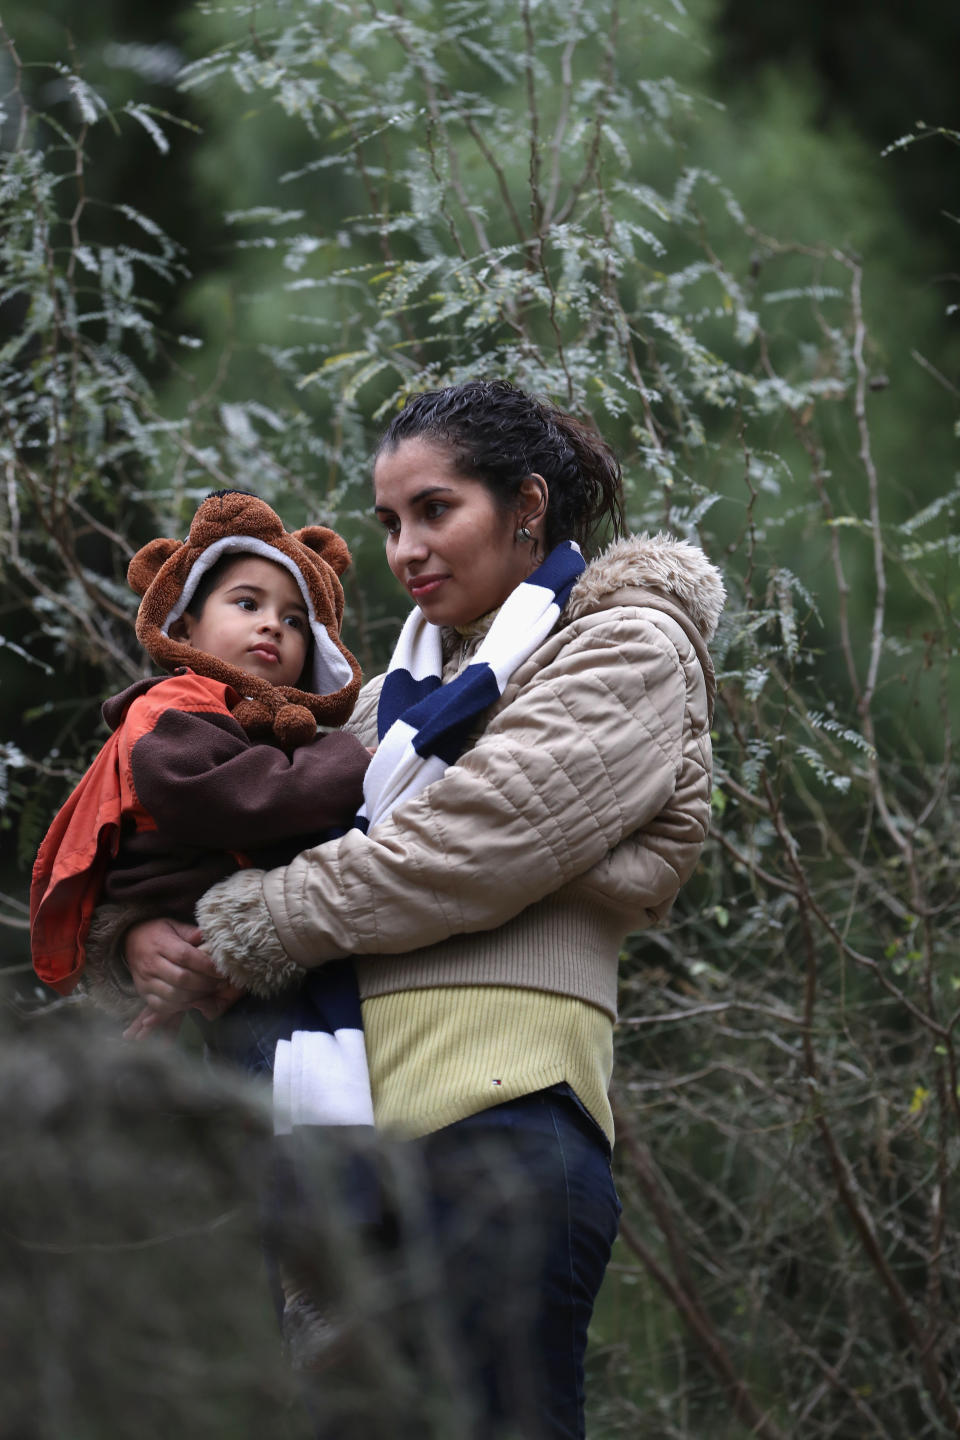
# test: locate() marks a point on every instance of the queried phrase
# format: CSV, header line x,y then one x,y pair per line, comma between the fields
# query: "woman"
x,y
485,914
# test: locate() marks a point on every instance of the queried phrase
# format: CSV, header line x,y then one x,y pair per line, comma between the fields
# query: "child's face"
x,y
254,618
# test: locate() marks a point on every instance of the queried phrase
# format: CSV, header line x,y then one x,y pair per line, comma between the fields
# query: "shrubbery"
x,y
511,189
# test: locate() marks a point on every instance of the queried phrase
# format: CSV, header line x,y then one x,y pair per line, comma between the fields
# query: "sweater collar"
x,y
462,641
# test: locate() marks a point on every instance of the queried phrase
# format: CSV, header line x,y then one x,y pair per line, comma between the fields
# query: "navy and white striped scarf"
x,y
320,1073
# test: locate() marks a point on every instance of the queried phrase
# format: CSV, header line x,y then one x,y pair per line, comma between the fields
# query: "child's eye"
x,y
296,622
247,602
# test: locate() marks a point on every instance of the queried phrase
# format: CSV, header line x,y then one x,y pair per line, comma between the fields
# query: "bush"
x,y
515,190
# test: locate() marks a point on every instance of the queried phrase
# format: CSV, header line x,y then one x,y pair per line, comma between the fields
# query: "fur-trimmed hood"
x,y
657,572
674,569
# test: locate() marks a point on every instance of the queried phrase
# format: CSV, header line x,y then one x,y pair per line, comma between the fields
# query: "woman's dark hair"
x,y
499,435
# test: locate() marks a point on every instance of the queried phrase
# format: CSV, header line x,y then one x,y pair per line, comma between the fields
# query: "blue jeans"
x,y
492,1252
521,1215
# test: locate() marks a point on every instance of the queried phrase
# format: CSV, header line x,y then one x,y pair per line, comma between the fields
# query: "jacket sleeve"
x,y
588,751
205,783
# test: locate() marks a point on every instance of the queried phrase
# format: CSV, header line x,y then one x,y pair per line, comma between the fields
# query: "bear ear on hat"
x,y
330,546
143,568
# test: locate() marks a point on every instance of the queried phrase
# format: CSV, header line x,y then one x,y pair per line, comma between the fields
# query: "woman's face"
x,y
449,543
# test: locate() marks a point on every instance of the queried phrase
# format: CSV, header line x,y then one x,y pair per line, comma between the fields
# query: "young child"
x,y
219,764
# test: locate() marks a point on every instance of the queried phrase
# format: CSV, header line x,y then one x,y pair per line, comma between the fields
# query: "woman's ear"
x,y
532,499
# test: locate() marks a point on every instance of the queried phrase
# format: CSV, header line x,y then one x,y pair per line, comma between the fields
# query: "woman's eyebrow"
x,y
419,495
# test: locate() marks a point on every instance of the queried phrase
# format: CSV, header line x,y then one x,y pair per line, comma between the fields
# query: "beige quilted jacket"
x,y
573,819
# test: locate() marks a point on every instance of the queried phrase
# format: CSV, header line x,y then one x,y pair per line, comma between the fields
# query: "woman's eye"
x,y
436,508
392,527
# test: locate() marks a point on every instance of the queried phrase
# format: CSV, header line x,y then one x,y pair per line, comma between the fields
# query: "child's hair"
x,y
209,582
499,434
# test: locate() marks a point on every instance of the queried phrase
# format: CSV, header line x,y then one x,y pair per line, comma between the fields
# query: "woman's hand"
x,y
172,972
154,1022
167,1024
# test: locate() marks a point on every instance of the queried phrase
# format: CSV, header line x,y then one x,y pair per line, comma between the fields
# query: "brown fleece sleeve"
x,y
205,783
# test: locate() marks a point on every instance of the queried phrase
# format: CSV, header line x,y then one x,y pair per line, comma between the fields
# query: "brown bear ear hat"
x,y
167,572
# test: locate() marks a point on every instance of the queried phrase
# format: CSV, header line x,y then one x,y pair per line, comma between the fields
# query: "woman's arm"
x,y
588,750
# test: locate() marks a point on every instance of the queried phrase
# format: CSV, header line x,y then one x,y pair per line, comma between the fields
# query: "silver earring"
x,y
524,535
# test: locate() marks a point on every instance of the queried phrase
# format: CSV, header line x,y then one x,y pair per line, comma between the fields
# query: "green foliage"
x,y
425,192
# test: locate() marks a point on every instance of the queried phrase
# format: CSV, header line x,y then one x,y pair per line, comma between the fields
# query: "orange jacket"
x,y
85,835
181,794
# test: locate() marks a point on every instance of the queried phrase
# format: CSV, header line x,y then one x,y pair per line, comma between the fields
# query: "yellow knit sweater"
x,y
438,1055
